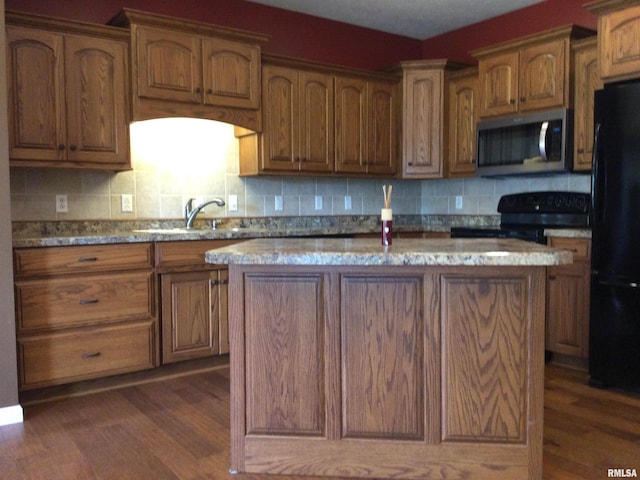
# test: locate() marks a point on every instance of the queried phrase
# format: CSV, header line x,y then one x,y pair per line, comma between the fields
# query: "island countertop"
x,y
369,251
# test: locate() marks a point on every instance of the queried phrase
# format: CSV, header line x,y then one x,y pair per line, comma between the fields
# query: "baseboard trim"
x,y
10,415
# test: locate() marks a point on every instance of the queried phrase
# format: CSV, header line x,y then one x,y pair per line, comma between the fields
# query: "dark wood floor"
x,y
177,428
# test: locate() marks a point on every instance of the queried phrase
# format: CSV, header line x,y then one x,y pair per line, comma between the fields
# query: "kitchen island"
x,y
424,359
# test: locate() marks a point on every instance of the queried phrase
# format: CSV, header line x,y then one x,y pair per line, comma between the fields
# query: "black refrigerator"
x,y
614,334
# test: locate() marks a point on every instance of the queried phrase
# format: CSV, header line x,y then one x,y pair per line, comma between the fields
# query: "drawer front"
x,y
86,300
86,353
82,259
580,247
187,252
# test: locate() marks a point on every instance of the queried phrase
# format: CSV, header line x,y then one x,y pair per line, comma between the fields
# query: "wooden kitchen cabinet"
x,y
423,118
366,119
463,103
421,365
587,81
618,32
568,301
322,119
298,131
84,312
68,94
532,73
183,68
194,311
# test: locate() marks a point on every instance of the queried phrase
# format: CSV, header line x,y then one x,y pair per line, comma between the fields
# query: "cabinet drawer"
x,y
187,252
86,353
89,299
580,247
81,259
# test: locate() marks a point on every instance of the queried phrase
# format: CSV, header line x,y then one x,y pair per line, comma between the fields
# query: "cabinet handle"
x,y
225,282
89,302
523,99
214,283
90,355
512,101
87,259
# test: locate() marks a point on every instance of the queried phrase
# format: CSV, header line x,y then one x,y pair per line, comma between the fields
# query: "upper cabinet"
x,y
423,118
586,81
320,119
618,33
463,111
185,68
67,92
532,73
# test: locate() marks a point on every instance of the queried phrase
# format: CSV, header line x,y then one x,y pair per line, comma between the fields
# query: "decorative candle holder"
x,y
386,216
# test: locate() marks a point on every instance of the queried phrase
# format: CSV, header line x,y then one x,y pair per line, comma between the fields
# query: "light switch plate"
x,y
459,202
62,205
347,202
233,203
278,203
318,202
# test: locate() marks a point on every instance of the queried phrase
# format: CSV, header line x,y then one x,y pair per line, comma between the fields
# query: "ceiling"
x,y
419,19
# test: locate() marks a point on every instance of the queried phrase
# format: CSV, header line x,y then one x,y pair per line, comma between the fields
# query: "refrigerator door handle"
x,y
594,174
612,283
542,140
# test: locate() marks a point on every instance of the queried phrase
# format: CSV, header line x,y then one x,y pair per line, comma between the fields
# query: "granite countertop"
x,y
568,232
416,252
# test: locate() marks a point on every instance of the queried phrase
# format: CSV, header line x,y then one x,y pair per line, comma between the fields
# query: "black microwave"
x,y
533,143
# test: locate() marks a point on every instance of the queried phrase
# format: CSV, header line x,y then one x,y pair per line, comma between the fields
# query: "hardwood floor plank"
x,y
178,428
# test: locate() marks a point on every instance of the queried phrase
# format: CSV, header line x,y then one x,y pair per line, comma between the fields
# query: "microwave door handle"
x,y
542,141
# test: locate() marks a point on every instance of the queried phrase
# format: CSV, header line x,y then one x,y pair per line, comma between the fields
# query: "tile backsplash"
x,y
200,159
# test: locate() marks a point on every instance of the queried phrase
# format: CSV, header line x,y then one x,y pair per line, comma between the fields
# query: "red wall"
x,y
457,44
292,34
313,38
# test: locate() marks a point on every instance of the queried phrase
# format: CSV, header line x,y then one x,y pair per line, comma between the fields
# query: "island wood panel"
x,y
381,324
284,315
268,316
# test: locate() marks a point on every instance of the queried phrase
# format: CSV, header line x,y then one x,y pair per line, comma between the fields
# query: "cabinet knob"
x,y
512,102
581,150
61,146
73,148
209,91
214,283
552,277
225,282
523,99
410,164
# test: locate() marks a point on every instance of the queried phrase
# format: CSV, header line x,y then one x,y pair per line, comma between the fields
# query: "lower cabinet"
x,y
193,300
194,314
568,301
84,312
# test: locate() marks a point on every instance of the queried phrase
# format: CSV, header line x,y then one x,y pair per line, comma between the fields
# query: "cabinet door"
x,y
189,315
463,116
316,134
280,114
169,65
619,49
36,100
382,119
96,92
231,74
422,135
350,125
499,84
542,75
587,81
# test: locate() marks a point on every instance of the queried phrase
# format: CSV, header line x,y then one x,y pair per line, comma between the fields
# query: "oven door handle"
x,y
542,141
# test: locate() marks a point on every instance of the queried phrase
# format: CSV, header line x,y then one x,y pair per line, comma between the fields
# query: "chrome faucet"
x,y
190,213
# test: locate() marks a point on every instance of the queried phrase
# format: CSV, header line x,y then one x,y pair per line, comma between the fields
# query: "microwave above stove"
x,y
530,144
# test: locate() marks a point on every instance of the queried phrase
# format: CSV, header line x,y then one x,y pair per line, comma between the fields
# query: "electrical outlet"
x,y
347,202
232,202
318,202
62,205
278,203
126,203
458,202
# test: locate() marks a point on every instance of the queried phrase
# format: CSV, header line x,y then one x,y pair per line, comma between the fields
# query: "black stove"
x,y
526,215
